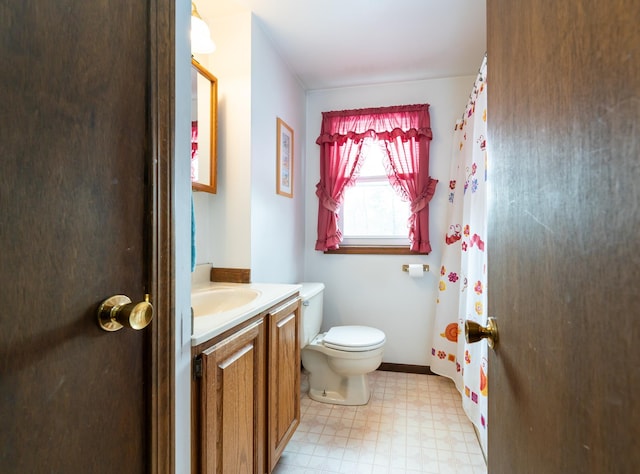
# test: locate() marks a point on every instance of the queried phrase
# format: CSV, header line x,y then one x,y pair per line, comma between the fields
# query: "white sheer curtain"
x,y
463,271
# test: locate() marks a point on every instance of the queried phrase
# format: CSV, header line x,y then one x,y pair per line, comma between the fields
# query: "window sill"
x,y
373,250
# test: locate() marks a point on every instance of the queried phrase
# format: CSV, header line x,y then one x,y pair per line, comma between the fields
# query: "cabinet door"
x,y
232,403
284,378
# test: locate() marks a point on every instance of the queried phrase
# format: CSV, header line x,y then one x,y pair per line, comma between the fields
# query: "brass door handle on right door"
x,y
474,332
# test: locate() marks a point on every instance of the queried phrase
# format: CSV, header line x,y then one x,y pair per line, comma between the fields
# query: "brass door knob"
x,y
474,332
118,311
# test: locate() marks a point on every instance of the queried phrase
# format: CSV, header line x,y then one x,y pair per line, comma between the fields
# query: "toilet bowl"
x,y
338,360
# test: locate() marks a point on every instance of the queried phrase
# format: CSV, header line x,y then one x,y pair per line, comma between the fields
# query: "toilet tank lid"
x,y
310,289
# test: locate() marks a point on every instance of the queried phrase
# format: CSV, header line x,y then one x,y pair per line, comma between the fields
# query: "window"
x,y
372,212
351,171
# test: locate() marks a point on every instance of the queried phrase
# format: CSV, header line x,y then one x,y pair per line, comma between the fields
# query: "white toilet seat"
x,y
354,338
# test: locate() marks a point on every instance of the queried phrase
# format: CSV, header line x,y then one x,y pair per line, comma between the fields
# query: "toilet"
x,y
339,360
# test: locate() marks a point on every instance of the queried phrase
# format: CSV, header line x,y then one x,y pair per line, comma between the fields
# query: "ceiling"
x,y
341,43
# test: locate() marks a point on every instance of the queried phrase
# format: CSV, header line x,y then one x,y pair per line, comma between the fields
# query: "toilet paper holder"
x,y
405,267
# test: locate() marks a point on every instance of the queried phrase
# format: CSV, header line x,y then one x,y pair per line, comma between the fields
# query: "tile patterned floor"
x,y
412,424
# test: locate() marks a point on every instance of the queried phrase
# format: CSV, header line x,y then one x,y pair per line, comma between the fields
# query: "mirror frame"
x,y
213,106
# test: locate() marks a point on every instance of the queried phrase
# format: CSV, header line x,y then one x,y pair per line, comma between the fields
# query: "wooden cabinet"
x,y
283,399
246,393
232,403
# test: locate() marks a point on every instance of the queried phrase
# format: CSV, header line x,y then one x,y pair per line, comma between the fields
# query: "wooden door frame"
x,y
161,372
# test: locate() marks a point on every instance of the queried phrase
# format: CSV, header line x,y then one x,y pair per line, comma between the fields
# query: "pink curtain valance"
x,y
385,123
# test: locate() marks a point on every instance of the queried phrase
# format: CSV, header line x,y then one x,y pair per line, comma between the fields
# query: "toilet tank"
x,y
311,295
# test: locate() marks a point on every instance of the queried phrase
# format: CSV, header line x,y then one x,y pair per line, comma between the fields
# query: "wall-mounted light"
x,y
201,41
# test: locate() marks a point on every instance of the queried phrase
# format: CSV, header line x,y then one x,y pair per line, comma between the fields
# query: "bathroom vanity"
x,y
246,381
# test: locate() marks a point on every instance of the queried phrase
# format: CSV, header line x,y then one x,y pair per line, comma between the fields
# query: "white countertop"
x,y
207,327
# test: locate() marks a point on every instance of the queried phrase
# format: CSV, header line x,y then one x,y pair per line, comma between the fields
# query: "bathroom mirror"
x,y
204,108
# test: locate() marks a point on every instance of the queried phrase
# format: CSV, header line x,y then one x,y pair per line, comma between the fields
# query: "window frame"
x,y
371,241
378,245
374,250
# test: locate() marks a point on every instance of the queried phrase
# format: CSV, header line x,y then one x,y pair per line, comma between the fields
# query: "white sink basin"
x,y
219,306
221,299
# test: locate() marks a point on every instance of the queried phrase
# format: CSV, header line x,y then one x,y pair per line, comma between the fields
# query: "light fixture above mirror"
x,y
201,41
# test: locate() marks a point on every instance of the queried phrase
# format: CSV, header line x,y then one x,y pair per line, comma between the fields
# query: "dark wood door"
x,y
564,221
76,226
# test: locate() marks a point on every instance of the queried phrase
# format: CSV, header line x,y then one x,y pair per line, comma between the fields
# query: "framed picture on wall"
x,y
284,164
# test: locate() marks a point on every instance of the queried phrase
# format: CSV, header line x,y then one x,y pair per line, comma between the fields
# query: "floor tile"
x,y
412,424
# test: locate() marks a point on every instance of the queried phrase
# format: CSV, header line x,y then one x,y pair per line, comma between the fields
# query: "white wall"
x,y
223,220
246,224
372,289
277,222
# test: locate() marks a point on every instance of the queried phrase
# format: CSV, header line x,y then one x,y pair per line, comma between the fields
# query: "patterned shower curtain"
x,y
463,271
